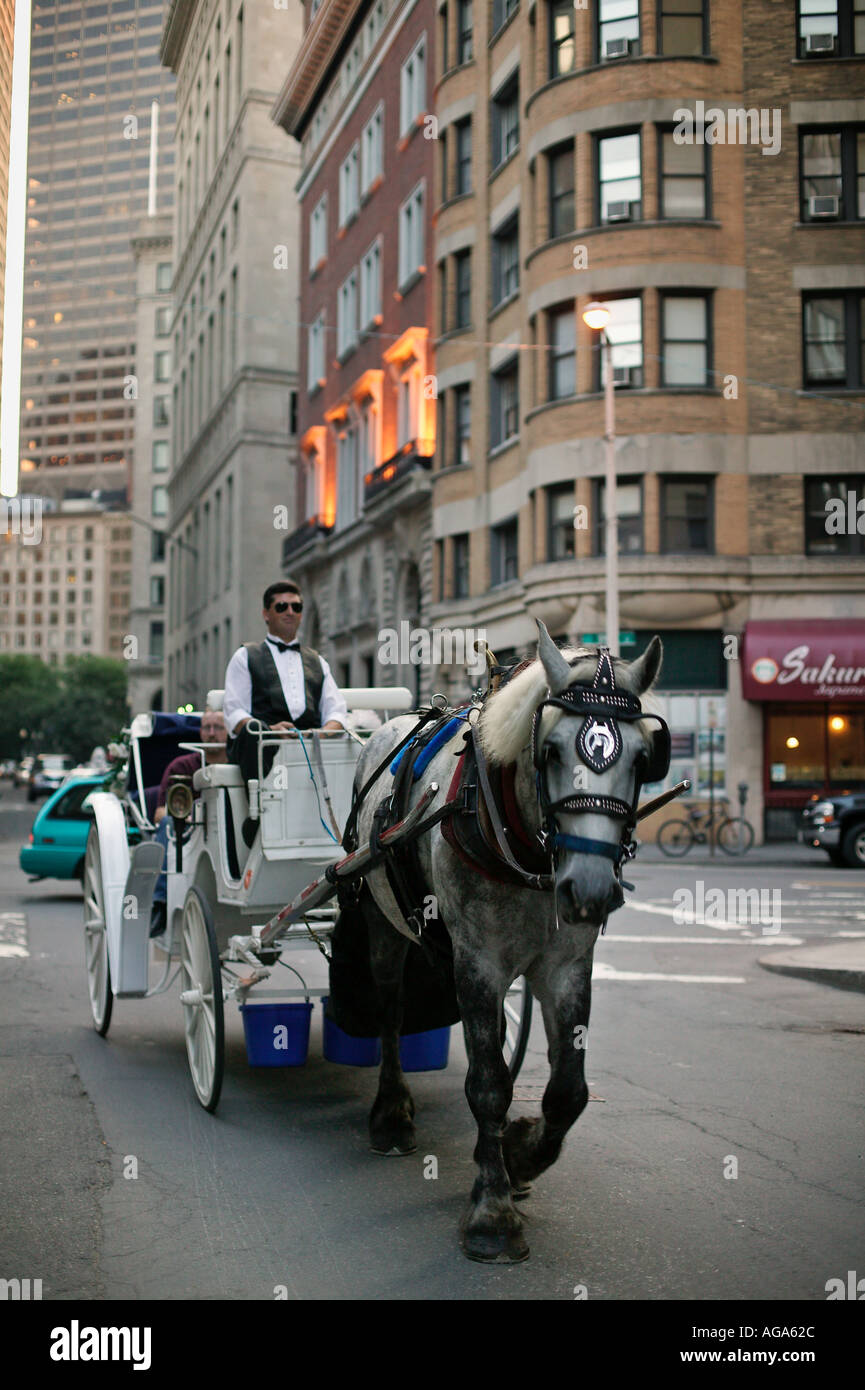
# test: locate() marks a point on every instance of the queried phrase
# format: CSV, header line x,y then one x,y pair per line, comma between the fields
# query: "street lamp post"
x,y
597,316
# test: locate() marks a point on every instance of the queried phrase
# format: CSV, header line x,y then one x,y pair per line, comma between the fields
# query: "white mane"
x,y
505,726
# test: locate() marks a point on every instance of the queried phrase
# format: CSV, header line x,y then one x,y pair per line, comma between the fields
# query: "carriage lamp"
x,y
178,804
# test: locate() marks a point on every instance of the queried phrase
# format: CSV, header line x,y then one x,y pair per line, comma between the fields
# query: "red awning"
x,y
813,659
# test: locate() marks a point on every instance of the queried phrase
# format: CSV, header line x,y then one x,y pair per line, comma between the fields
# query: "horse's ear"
x,y
646,667
557,670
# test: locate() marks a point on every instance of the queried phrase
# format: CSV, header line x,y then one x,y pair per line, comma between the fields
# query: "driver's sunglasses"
x,y
295,607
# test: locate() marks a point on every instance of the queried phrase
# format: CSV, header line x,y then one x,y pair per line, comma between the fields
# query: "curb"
x,y
796,964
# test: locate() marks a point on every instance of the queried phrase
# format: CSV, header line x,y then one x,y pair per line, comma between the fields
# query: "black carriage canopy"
x,y
157,751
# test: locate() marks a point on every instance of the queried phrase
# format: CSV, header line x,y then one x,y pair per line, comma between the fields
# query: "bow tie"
x,y
284,646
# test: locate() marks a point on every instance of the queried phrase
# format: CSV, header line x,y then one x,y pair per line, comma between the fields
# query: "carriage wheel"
x,y
516,1023
201,997
96,938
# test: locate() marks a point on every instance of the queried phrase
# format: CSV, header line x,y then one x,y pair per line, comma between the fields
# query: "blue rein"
x,y
586,846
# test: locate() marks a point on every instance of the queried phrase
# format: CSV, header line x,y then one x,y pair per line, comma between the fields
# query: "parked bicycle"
x,y
734,834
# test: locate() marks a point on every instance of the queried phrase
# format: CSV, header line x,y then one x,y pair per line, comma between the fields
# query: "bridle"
x,y
603,706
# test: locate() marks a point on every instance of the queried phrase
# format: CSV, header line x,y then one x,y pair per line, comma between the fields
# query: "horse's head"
x,y
592,748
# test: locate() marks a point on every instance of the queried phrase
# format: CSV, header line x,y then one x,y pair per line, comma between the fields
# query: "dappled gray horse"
x,y
579,766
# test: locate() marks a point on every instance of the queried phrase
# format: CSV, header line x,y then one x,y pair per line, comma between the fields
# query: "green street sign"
x,y
598,639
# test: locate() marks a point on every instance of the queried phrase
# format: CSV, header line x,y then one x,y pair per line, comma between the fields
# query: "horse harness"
x,y
480,818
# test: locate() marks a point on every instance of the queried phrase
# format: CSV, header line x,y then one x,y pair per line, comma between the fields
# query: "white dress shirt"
x,y
237,701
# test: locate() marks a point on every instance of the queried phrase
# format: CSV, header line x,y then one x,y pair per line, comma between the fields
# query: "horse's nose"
x,y
590,895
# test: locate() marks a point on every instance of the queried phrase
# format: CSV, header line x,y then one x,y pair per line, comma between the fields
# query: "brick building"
x,y
566,173
357,97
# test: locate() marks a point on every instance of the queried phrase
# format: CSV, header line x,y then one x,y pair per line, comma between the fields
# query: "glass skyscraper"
x,y
95,71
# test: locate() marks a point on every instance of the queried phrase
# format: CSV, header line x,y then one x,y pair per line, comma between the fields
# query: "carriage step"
x,y
133,947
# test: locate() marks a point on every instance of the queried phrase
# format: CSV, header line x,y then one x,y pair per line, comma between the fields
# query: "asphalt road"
x,y
696,1057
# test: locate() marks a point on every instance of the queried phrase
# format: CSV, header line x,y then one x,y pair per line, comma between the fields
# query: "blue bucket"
x,y
341,1047
425,1051
277,1035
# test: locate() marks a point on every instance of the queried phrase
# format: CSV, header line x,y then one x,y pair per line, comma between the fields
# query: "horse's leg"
x,y
531,1145
491,1228
391,1130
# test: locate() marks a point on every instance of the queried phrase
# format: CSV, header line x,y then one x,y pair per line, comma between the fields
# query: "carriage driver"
x,y
279,684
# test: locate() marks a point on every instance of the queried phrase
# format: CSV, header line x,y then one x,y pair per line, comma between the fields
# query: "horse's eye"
x,y
551,754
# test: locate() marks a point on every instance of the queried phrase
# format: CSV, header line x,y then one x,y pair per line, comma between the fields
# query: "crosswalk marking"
x,y
603,971
13,935
748,940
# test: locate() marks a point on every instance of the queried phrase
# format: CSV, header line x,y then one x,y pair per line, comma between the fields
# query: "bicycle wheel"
x,y
675,838
735,836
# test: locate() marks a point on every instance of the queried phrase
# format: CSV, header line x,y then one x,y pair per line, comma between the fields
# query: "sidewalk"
x,y
786,854
827,961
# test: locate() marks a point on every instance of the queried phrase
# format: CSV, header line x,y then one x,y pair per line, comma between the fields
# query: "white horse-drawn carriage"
x,y
232,909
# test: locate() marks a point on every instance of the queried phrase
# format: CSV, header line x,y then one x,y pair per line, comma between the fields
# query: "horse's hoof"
x,y
393,1152
503,1247
521,1192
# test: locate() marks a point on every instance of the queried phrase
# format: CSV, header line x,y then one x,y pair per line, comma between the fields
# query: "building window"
x,y
462,398
346,315
685,338
683,183
834,508
370,285
318,233
163,276
444,51
503,552
563,47
412,90
369,440
560,168
504,404
160,412
562,336
465,32
157,590
315,354
560,522
411,235
506,121
346,479
625,332
159,502
372,150
463,286
407,407
157,546
686,516
313,480
618,163
162,366
163,321
834,340
157,641
349,200
832,166
160,456
618,33
629,510
502,11
506,262
461,566
463,137
831,28
682,27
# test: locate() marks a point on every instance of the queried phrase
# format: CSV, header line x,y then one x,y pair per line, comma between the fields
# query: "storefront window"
x,y
822,746
699,750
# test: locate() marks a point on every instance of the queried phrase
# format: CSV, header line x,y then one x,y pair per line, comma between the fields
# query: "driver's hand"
x,y
283,724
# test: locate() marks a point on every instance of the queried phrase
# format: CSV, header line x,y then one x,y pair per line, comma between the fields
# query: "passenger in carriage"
x,y
213,733
277,684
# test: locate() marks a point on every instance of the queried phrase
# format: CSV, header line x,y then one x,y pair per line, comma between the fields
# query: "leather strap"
x,y
531,880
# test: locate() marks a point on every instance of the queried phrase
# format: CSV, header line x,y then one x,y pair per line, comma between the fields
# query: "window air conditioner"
x,y
820,43
625,376
618,48
824,205
618,212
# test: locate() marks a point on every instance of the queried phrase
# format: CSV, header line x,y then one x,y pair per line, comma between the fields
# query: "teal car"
x,y
58,838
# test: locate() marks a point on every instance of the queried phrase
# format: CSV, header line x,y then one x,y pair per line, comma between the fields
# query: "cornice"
x,y
315,55
174,34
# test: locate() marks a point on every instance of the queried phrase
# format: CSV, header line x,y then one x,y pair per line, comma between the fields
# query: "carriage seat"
x,y
217,775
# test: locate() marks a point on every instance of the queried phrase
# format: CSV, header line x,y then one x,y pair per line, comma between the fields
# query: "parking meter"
x,y
743,793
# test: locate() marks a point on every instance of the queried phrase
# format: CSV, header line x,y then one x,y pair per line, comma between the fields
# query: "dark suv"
x,y
836,823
